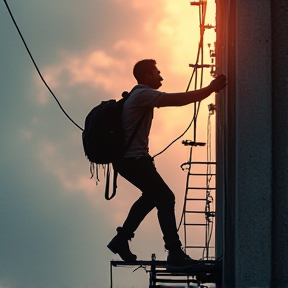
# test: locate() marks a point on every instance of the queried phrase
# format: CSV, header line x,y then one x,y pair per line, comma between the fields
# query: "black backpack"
x,y
103,138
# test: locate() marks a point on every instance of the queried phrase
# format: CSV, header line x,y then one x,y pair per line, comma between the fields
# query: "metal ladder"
x,y
200,191
197,217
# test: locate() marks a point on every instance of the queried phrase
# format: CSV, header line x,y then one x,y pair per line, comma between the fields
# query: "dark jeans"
x,y
142,173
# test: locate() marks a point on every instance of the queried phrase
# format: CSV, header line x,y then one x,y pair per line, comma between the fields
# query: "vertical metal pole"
x,y
153,272
111,277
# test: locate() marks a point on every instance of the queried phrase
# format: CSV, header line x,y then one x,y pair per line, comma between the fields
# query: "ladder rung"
x,y
194,224
198,247
198,162
196,212
166,273
196,3
162,280
202,174
202,188
200,65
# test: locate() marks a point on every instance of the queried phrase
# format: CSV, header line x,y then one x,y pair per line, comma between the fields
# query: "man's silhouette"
x,y
137,166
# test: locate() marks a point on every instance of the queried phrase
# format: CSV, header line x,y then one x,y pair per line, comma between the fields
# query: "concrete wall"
x,y
253,52
253,144
280,143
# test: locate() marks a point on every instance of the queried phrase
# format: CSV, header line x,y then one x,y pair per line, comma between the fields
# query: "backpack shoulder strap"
x,y
125,95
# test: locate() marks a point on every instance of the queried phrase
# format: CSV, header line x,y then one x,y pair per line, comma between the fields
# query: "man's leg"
x,y
155,193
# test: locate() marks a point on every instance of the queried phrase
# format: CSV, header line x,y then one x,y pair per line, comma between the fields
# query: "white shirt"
x,y
140,102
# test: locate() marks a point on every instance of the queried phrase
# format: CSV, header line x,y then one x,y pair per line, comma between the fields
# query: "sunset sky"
x,y
55,223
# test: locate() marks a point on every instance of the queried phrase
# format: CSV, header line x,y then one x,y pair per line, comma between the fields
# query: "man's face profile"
x,y
154,78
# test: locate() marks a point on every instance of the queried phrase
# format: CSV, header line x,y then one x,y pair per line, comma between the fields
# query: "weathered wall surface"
x,y
256,188
280,142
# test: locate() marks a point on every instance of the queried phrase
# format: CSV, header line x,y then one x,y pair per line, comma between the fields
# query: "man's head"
x,y
146,72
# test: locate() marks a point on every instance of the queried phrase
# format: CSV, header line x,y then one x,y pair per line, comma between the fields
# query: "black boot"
x,y
119,244
177,260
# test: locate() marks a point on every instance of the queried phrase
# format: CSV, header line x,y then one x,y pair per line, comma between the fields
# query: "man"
x,y
138,168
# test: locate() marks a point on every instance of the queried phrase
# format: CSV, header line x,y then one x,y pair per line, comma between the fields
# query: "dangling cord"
x,y
94,171
107,182
107,197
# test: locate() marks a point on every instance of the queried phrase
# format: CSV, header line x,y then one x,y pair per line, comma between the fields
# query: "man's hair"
x,y
143,67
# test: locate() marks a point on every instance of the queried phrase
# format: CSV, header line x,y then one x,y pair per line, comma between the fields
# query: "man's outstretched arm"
x,y
184,98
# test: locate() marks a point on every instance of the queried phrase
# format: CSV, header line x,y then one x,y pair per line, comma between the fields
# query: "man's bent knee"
x,y
167,201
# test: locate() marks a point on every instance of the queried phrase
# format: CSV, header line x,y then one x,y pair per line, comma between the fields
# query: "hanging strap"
x,y
115,174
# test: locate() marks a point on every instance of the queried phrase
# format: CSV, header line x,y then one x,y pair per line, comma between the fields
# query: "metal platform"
x,y
202,272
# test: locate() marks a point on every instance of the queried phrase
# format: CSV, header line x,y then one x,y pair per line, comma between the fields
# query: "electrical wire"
x,y
194,72
193,119
38,70
202,16
209,198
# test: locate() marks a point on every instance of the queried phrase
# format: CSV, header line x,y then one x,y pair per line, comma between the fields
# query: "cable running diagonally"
x,y
39,73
